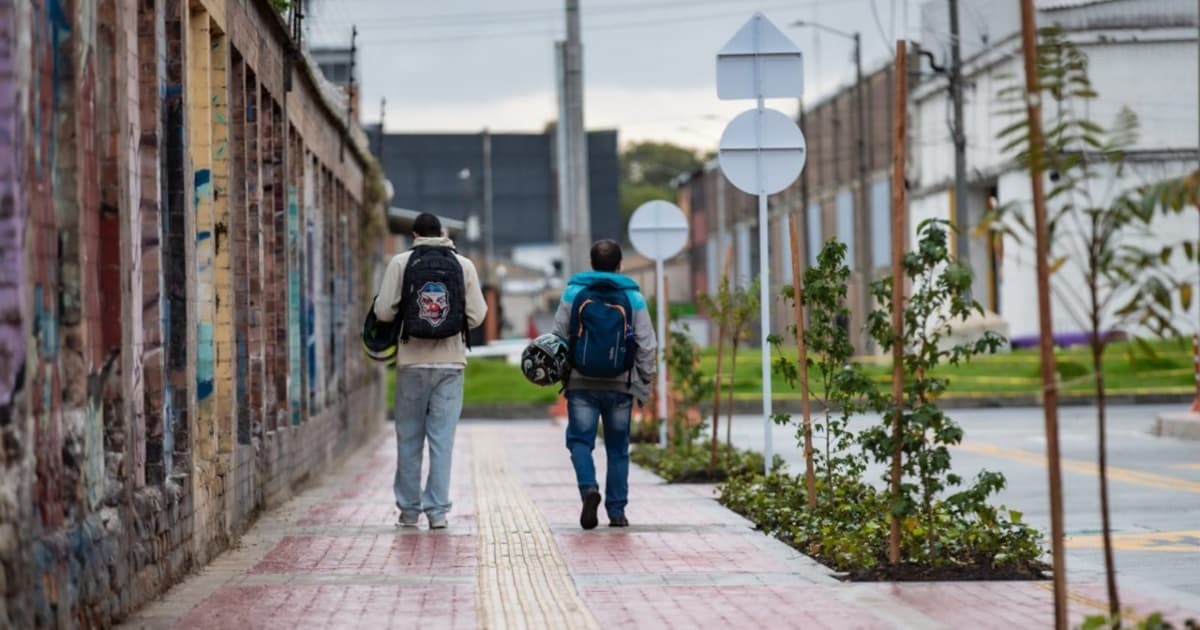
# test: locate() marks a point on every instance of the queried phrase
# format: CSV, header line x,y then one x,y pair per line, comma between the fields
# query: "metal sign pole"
x,y
659,230
761,152
662,305
764,260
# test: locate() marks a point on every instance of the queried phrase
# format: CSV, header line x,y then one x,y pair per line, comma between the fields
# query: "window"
x,y
845,224
714,272
745,272
785,245
815,239
881,222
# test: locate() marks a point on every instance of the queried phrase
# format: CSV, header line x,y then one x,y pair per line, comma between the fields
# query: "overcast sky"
x,y
461,65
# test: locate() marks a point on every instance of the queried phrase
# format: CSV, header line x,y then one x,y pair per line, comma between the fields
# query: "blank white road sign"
x,y
658,230
759,61
773,135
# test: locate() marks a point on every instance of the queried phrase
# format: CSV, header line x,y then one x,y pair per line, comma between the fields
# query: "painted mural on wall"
x,y
110,269
293,295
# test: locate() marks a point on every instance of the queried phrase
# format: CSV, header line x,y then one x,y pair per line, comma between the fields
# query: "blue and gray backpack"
x,y
602,342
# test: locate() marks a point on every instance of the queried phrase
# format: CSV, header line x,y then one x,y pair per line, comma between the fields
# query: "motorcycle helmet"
x,y
379,338
545,360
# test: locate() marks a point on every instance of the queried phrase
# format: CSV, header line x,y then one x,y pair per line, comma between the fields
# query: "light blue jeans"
x,y
428,404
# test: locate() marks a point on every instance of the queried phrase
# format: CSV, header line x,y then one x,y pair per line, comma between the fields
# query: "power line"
x,y
521,15
457,37
879,25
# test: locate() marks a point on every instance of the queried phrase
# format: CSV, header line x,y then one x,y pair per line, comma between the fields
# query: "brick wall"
x,y
180,260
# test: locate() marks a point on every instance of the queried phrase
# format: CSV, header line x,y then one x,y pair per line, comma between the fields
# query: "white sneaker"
x,y
401,521
438,522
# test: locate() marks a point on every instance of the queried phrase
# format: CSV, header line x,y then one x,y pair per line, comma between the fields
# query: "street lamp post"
x,y
862,215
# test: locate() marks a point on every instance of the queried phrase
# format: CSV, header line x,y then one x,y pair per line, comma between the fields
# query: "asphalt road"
x,y
1154,486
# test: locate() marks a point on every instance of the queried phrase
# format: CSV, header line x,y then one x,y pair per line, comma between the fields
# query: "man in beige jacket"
x,y
435,294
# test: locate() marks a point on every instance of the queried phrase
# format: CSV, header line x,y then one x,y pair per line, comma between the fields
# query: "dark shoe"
x,y
591,502
618,521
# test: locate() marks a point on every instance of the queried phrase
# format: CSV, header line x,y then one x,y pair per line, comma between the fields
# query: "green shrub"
x,y
689,463
851,534
1154,622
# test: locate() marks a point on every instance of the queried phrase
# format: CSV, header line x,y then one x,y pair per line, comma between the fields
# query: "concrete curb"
x,y
1183,425
790,405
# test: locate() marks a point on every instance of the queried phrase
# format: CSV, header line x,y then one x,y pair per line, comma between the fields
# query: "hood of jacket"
x,y
433,241
581,281
586,278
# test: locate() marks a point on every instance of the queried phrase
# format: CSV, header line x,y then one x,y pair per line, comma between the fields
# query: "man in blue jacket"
x,y
590,399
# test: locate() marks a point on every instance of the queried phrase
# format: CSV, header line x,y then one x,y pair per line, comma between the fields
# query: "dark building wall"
x,y
603,175
425,171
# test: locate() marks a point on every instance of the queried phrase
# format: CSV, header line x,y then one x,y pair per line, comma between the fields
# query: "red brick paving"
x,y
432,553
336,606
686,563
654,552
724,607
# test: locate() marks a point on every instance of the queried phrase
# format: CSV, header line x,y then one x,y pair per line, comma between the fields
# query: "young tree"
x,y
844,389
743,304
940,299
688,382
1109,271
719,309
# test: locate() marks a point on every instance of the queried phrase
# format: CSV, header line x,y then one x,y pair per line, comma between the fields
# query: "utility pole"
x,y
294,52
489,239
491,328
863,214
382,131
808,255
577,151
564,231
961,220
1033,109
350,97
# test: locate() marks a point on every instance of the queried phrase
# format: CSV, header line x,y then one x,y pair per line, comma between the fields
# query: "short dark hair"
x,y
427,225
606,255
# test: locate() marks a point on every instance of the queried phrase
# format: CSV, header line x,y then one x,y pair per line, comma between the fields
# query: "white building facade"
x,y
1143,55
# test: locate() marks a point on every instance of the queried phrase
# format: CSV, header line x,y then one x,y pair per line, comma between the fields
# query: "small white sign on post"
x,y
762,140
759,61
762,150
659,230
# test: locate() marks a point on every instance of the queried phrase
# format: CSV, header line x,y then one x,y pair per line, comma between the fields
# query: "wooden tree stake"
x,y
899,211
716,439
1046,339
810,475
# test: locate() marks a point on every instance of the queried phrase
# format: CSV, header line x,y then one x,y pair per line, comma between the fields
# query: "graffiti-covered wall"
x,y
180,202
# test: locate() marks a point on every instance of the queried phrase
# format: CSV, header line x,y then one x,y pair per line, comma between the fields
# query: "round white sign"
x,y
767,132
658,229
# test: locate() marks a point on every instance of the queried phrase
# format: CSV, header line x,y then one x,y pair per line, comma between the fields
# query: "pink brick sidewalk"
x,y
332,558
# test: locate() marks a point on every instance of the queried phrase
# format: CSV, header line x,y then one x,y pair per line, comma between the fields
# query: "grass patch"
x,y
493,381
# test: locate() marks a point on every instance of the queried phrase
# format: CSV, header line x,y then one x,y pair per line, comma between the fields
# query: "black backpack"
x,y
433,301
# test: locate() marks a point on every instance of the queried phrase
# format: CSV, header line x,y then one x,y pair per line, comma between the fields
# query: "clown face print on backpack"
x,y
434,303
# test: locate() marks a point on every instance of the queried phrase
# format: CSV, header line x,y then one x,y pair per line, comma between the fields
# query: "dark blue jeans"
x,y
585,409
